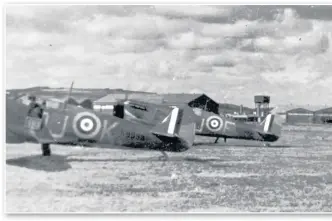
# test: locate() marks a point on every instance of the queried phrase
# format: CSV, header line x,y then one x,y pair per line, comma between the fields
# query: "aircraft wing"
x,y
12,137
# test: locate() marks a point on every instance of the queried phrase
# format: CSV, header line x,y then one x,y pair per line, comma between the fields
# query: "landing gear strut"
x,y
46,150
218,139
164,156
266,145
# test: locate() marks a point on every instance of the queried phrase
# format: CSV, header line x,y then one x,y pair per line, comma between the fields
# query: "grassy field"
x,y
294,174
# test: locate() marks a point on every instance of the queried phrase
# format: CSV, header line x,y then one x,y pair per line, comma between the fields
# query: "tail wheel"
x,y
46,150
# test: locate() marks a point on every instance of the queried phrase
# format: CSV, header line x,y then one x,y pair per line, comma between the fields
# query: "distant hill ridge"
x,y
96,93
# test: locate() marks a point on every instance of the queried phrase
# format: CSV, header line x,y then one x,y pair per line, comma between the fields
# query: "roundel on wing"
x,y
214,123
86,125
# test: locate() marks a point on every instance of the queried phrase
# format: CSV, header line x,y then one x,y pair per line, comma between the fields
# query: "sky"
x,y
231,53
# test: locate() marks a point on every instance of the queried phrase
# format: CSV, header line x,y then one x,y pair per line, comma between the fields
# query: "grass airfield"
x,y
293,175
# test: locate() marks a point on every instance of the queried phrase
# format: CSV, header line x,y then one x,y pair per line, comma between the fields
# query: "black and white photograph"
x,y
167,108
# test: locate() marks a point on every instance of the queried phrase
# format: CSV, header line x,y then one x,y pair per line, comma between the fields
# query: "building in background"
x,y
201,101
106,103
299,116
262,106
225,108
246,114
323,116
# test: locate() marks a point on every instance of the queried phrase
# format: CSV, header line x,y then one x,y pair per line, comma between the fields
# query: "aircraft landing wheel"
x,y
266,145
46,150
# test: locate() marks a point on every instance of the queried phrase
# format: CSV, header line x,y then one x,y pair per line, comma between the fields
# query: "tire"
x,y
46,150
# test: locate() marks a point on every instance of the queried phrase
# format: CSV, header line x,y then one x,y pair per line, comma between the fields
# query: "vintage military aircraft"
x,y
79,126
209,124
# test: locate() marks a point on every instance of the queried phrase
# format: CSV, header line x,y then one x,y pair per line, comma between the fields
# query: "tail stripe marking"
x,y
268,123
172,123
271,124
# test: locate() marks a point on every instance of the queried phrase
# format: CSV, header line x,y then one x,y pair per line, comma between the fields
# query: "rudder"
x,y
178,124
272,125
171,124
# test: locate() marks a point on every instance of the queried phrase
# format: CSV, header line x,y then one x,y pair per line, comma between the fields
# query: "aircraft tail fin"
x,y
272,124
170,126
69,94
177,125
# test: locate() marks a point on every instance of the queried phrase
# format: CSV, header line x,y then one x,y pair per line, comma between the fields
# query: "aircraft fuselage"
x,y
80,127
207,124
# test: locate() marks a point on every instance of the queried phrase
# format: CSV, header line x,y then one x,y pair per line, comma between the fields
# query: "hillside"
x,y
94,94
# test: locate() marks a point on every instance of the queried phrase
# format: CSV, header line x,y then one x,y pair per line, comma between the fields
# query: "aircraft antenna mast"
x,y
69,95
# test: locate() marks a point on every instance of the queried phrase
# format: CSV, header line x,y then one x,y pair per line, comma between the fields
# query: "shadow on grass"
x,y
57,163
54,163
245,145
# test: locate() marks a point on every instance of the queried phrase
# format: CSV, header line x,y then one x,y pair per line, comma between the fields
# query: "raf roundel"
x,y
214,123
86,125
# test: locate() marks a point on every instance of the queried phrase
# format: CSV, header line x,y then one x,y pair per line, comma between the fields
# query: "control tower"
x,y
262,103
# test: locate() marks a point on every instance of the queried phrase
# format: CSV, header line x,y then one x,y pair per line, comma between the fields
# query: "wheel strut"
x,y
46,150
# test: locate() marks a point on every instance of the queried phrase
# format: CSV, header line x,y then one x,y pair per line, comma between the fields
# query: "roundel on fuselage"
x,y
86,125
214,123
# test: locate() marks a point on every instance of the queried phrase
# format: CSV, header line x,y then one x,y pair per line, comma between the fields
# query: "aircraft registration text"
x,y
33,123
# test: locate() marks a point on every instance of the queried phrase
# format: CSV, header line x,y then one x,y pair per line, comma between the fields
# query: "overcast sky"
x,y
230,53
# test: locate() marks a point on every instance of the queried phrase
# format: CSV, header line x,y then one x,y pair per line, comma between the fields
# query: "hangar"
x,y
201,101
323,115
299,116
193,100
226,108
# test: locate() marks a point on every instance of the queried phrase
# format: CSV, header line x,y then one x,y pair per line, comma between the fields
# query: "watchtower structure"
x,y
262,104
